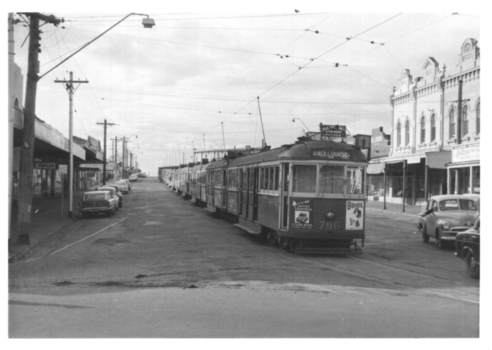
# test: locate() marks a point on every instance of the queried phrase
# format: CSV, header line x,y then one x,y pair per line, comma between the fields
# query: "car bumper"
x,y
94,210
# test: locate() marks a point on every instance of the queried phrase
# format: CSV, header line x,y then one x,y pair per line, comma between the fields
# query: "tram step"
x,y
247,229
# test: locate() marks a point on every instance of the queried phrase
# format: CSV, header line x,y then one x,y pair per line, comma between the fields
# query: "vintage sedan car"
x,y
114,193
97,202
123,186
118,193
133,177
445,215
129,184
468,249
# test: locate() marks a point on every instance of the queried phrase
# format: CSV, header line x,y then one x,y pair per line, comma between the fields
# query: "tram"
x,y
305,197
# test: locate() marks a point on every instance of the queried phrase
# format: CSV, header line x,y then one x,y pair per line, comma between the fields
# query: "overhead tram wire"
x,y
300,68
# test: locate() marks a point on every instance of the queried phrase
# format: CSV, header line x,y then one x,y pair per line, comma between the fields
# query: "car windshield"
x,y
95,196
458,204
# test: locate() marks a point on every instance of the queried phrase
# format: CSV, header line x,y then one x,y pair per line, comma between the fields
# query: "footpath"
x,y
393,209
46,220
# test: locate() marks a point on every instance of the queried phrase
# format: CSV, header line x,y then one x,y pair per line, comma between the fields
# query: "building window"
x,y
433,127
478,119
452,124
407,132
464,121
422,130
398,134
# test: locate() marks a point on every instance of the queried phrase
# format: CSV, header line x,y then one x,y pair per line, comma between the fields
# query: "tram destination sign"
x,y
331,154
332,131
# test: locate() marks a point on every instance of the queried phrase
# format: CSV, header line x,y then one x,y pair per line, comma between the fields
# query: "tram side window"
x,y
331,179
271,177
304,178
275,186
355,178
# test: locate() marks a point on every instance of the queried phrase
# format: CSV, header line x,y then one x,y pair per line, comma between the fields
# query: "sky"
x,y
200,77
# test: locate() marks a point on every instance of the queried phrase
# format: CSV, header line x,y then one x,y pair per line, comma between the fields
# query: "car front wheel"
x,y
472,266
425,236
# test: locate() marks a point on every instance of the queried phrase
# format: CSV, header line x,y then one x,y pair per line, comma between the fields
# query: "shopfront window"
x,y
304,178
331,179
476,179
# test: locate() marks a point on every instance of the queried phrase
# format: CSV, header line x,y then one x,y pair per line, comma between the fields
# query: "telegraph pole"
x,y
70,89
28,133
115,152
104,157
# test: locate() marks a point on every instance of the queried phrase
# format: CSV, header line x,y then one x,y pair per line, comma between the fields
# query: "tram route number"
x,y
330,225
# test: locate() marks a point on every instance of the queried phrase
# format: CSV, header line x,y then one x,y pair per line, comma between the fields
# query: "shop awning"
x,y
438,160
375,168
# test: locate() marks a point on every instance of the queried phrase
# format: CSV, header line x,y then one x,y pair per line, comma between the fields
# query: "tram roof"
x,y
304,150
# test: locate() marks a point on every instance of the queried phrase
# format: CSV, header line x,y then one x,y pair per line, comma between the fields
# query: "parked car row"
x,y
454,220
106,199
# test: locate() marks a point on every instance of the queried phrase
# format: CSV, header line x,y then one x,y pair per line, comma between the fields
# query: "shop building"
x,y
436,131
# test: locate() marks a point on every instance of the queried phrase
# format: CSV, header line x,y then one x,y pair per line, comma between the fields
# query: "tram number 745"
x,y
330,225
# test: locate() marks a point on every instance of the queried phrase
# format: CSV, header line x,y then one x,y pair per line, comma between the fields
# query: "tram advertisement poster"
x,y
355,215
302,215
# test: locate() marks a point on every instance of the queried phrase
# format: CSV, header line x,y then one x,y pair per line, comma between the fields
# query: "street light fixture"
x,y
294,120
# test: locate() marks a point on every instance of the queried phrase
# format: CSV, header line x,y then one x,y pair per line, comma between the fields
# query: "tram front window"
x,y
331,179
304,178
355,178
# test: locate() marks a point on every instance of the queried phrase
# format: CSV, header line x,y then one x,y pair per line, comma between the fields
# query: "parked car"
x,y
133,177
123,186
143,175
118,193
127,181
468,249
445,215
98,202
114,193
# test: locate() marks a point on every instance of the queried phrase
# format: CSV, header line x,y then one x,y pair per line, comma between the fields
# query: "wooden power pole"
x,y
104,157
28,133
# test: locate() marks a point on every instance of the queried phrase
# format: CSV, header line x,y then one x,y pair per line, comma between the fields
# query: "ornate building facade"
x,y
435,146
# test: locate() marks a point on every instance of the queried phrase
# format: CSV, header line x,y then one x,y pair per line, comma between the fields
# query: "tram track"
x,y
385,282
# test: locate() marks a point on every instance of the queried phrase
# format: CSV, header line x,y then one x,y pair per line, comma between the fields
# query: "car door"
x,y
431,218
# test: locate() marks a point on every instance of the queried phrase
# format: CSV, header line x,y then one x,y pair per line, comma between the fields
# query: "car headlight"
x,y
330,215
446,226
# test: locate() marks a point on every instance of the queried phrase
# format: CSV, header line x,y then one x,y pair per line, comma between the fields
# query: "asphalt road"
x,y
162,267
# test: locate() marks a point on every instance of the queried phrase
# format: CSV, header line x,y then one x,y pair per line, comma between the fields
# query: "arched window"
x,y
464,121
452,124
407,132
433,127
398,134
422,130
478,119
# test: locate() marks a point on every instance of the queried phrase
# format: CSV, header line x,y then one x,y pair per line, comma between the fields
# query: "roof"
x,y
456,196
98,191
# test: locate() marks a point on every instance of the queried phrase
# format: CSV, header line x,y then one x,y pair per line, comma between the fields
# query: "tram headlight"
x,y
330,215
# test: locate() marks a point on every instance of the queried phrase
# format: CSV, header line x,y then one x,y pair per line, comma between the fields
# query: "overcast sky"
x,y
175,84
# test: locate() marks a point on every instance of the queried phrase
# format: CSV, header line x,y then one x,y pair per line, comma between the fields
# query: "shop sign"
x,y
63,169
44,165
302,215
355,215
330,154
92,166
413,160
465,154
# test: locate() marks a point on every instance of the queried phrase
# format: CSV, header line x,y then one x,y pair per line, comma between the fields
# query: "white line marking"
x,y
83,239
